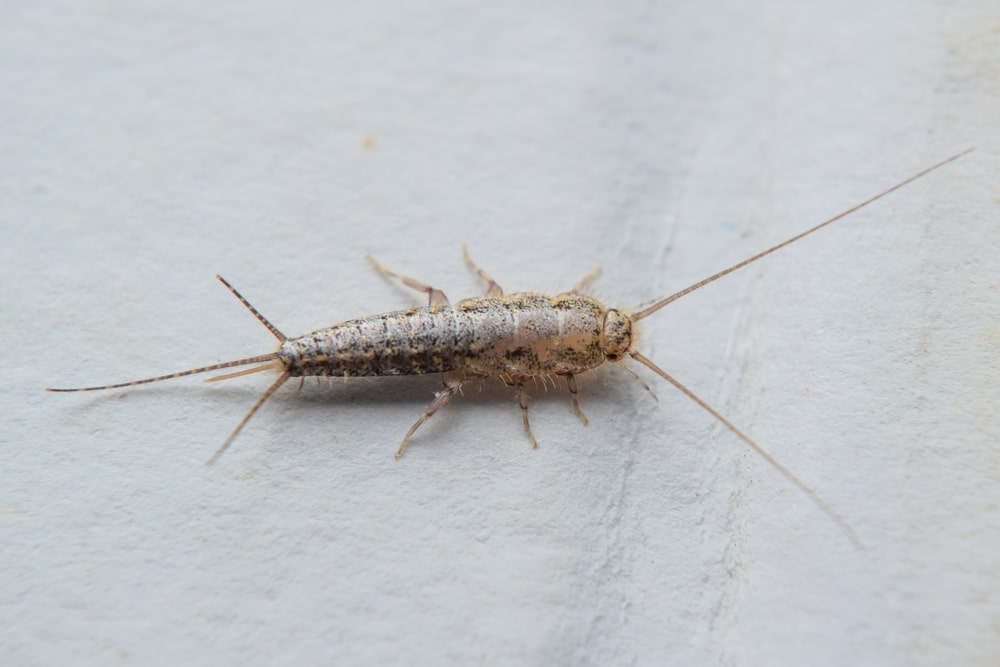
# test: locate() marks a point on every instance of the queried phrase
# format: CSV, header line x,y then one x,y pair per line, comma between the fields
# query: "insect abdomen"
x,y
517,335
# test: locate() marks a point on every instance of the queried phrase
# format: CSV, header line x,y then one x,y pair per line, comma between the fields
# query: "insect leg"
x,y
579,286
571,384
640,381
435,297
451,386
522,400
492,287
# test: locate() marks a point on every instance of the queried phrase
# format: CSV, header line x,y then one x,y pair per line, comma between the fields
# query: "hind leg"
x,y
452,384
492,287
435,297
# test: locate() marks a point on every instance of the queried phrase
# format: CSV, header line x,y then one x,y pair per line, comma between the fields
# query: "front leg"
x,y
571,385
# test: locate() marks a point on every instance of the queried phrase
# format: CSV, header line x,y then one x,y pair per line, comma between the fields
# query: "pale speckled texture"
x,y
145,148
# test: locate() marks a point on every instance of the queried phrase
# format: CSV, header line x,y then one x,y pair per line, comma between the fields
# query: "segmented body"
x,y
518,335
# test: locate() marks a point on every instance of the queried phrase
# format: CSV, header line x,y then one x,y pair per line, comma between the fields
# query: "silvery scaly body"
x,y
510,337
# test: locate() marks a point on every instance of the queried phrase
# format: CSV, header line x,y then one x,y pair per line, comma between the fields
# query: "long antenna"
x,y
819,502
646,312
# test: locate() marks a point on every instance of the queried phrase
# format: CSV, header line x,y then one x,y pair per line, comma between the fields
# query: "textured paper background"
x,y
144,149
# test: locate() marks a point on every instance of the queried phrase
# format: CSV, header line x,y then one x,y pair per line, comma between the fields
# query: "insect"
x,y
514,337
